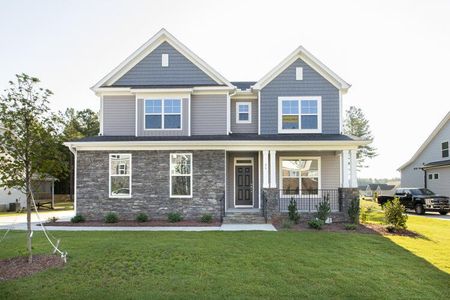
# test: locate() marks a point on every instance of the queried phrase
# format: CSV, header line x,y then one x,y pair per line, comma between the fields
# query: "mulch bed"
x,y
380,229
18,267
152,223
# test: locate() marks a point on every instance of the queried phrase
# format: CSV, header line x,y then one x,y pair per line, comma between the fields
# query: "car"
x,y
419,199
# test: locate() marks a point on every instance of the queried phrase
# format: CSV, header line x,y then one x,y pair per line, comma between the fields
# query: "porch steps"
x,y
243,217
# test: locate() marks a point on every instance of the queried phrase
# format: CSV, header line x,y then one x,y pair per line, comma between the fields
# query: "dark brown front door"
x,y
244,185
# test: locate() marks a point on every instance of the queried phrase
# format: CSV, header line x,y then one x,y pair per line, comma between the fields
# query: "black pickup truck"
x,y
419,199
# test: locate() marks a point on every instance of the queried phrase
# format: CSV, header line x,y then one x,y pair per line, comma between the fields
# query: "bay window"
x,y
120,175
299,174
299,115
162,114
180,175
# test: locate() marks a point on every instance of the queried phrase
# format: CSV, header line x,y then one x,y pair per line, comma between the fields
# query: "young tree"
x,y
357,125
29,143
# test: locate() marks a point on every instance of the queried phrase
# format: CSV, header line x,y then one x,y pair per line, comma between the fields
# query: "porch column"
x,y
353,166
265,169
273,183
345,169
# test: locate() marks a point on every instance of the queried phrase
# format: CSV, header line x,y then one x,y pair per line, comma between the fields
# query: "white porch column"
x,y
345,168
273,182
353,166
265,169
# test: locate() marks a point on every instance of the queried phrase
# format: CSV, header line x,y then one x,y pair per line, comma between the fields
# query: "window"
x,y
430,176
243,112
165,60
444,147
299,73
181,175
299,174
162,114
119,175
436,176
299,115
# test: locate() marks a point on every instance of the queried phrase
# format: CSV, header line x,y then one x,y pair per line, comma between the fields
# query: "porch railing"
x,y
308,200
222,207
264,206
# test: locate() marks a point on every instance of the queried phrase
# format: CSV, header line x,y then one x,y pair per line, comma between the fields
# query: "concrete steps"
x,y
244,217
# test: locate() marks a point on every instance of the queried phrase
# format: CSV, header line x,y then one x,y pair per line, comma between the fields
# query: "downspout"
x,y
229,111
424,178
74,152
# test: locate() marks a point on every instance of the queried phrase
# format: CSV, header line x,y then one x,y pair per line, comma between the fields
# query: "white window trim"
x,y
280,175
190,175
299,99
249,104
448,149
299,73
162,114
251,163
111,175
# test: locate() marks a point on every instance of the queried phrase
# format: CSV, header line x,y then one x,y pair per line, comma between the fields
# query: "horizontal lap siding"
x,y
180,71
119,115
313,84
185,122
209,114
244,128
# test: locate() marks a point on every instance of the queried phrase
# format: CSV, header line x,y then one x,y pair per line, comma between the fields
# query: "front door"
x,y
244,185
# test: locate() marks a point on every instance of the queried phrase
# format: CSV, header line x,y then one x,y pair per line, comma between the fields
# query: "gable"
x,y
180,71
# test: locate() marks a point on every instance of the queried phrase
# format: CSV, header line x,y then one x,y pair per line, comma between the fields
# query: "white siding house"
x,y
430,165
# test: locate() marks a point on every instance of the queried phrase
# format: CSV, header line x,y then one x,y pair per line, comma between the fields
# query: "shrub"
x,y
174,217
363,215
78,219
142,217
111,218
316,224
394,214
390,228
353,210
351,226
52,219
206,218
323,209
287,224
294,216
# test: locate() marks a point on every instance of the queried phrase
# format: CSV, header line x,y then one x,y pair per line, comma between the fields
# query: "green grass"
x,y
136,265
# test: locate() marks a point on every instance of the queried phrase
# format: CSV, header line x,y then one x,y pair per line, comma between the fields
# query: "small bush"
x,y
353,210
52,219
394,214
78,219
111,218
142,217
287,224
316,224
351,226
294,216
323,209
174,217
363,215
390,228
206,218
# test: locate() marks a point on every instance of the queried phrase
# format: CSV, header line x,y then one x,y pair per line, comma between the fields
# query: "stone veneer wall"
x,y
150,185
345,197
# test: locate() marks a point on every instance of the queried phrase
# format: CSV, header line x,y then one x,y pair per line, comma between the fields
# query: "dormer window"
x,y
243,112
444,148
299,115
162,114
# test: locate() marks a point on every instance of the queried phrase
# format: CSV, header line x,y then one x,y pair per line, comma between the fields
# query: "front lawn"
x,y
273,265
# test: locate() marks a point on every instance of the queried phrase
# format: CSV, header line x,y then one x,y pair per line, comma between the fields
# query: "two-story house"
x,y
178,136
429,167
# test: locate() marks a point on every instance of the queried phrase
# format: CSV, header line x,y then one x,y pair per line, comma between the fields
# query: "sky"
x,y
395,54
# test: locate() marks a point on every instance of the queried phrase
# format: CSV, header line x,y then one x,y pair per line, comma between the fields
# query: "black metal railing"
x,y
308,200
264,206
222,207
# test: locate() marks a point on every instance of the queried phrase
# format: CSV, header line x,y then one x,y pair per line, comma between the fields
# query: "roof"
x,y
161,36
427,141
312,61
243,85
374,186
161,86
440,163
231,137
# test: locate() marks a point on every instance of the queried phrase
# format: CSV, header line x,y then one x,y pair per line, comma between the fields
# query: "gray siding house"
x,y
175,135
429,167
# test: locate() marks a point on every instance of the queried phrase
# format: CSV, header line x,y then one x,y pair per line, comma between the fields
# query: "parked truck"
x,y
420,200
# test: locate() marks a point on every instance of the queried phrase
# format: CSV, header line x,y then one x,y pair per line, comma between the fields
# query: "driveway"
x,y
19,221
433,215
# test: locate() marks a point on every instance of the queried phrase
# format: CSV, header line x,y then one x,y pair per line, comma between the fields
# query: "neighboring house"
x,y
178,136
379,189
430,166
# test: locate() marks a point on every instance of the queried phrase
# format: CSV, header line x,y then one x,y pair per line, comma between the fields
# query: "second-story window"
x,y
444,147
243,112
162,114
299,115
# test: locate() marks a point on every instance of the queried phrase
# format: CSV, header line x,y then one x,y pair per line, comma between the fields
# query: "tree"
x,y
357,125
29,144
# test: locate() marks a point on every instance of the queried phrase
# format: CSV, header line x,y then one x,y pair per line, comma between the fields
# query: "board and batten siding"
x,y
149,71
244,127
209,114
313,84
119,115
163,132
